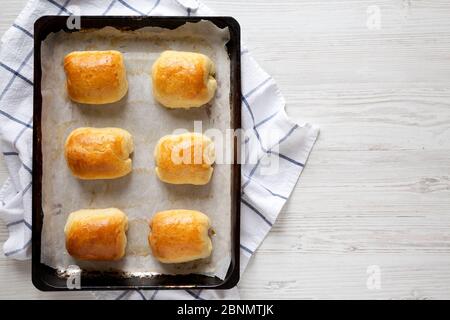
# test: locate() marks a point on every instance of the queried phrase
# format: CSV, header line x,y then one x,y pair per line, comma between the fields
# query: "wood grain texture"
x,y
376,189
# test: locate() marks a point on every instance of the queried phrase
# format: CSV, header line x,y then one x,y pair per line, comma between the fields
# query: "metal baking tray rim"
x,y
46,278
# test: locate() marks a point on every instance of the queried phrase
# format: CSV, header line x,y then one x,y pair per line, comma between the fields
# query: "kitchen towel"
x,y
275,148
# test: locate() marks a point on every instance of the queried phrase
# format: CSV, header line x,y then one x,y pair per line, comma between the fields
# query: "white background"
x,y
376,189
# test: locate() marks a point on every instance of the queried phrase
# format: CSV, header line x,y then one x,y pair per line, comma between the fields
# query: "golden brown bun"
x,y
180,236
184,159
99,153
183,79
97,234
95,77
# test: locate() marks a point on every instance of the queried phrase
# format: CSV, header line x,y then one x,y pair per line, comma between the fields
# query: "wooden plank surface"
x,y
375,194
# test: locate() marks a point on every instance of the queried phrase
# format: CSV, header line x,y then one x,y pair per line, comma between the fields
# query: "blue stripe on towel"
x,y
27,168
282,156
141,294
195,295
121,295
30,122
19,222
16,73
266,119
257,87
23,30
257,212
154,6
109,7
62,8
26,188
15,119
124,3
246,249
26,245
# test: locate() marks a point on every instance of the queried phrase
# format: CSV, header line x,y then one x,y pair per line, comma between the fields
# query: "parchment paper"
x,y
140,194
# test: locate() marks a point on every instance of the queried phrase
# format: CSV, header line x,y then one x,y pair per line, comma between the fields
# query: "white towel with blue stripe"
x,y
276,150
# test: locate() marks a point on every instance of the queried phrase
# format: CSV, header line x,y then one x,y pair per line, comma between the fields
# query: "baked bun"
x,y
183,79
185,159
99,153
97,234
180,236
95,77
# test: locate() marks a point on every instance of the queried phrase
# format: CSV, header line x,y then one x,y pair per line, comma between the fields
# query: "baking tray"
x,y
48,279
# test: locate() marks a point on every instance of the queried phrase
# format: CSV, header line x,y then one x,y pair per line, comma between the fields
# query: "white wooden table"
x,y
376,191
